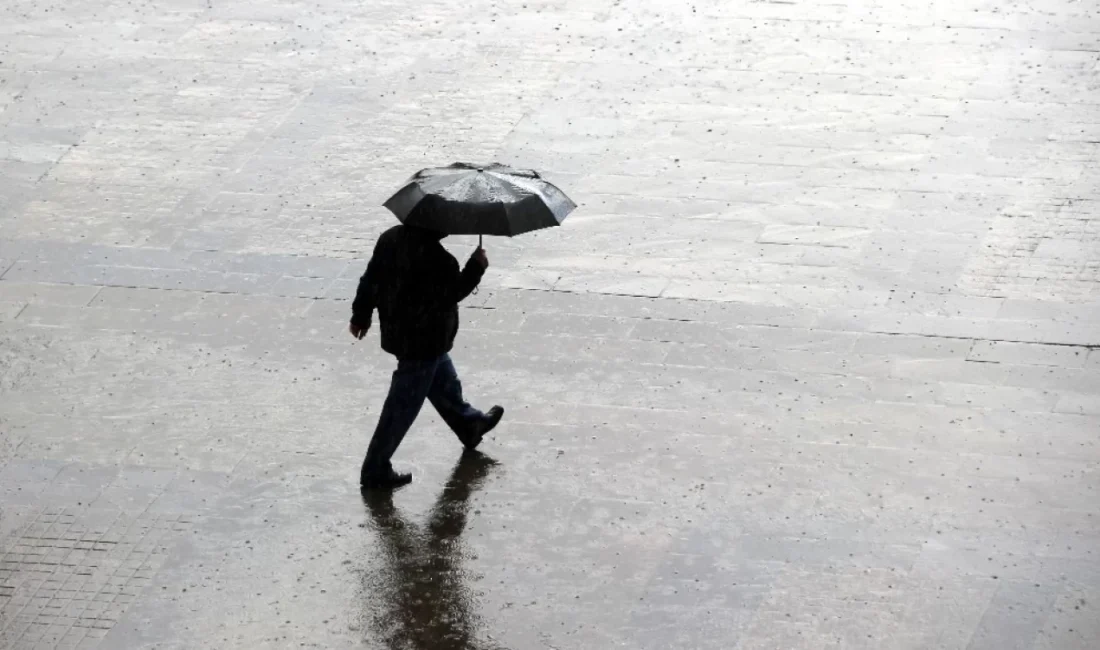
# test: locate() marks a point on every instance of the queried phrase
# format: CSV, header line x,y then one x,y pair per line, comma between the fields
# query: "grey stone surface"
x,y
816,363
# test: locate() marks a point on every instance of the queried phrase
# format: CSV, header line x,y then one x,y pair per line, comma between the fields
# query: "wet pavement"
x,y
814,365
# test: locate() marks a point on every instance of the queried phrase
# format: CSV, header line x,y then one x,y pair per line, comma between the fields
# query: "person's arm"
x,y
462,283
470,276
362,309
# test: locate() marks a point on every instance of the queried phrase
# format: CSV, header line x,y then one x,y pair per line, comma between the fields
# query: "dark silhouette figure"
x,y
416,285
421,592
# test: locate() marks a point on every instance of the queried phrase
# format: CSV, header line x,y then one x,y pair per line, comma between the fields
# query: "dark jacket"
x,y
416,286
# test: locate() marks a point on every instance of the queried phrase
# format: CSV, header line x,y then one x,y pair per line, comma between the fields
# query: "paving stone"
x,y
300,266
51,294
333,310
342,290
27,271
1078,404
301,287
609,284
945,305
234,306
924,347
1065,356
71,545
10,310
158,300
135,489
550,324
838,237
1000,397
24,481
58,316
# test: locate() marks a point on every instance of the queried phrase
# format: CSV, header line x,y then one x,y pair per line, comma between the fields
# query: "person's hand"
x,y
481,258
356,331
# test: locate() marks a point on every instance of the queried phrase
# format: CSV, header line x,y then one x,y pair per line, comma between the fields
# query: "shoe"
x,y
492,419
390,481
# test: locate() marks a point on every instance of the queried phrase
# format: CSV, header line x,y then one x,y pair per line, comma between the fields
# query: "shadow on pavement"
x,y
420,599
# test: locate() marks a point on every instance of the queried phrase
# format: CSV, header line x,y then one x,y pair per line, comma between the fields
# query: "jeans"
x,y
414,381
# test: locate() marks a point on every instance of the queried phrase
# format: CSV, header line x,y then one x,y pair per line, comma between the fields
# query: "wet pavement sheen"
x,y
813,365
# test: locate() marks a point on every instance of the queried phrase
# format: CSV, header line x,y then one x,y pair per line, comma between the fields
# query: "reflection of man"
x,y
416,286
425,603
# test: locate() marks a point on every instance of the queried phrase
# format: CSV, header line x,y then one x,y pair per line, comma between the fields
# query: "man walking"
x,y
416,286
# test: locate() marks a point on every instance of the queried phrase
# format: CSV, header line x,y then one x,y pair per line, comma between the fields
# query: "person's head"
x,y
429,234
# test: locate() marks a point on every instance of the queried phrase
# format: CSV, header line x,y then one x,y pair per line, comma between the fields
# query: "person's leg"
x,y
446,396
410,385
468,423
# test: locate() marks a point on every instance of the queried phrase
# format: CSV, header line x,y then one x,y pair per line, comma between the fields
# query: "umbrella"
x,y
467,199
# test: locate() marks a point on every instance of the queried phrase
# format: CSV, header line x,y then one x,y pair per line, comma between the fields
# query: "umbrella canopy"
x,y
467,199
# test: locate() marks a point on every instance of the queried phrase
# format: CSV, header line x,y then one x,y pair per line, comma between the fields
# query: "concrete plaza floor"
x,y
814,365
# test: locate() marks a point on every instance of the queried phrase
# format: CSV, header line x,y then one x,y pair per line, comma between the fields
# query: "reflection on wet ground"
x,y
420,597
